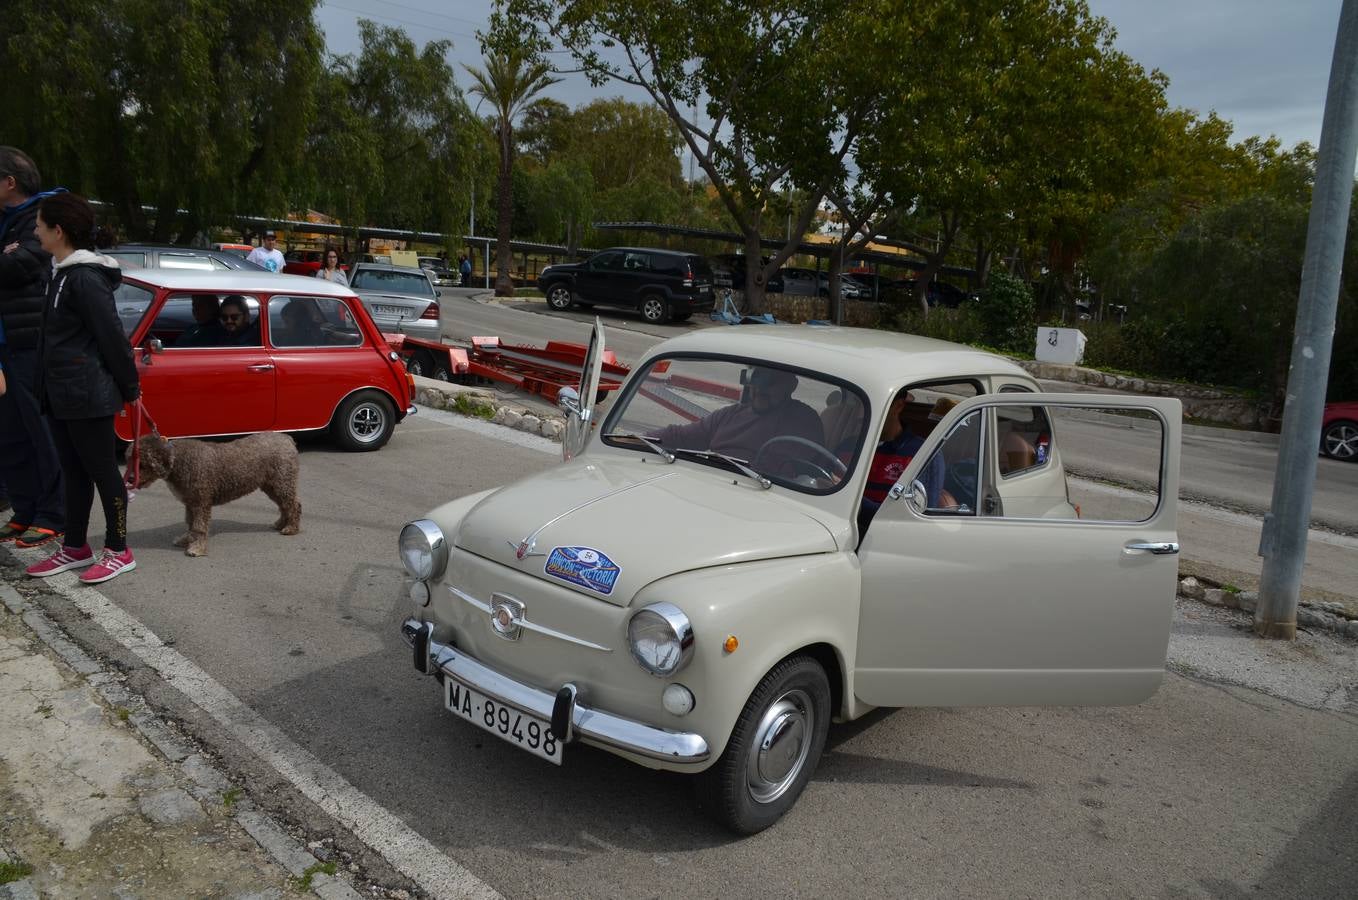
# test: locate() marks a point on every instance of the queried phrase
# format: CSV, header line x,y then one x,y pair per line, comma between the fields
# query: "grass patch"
x,y
44,710
529,292
1230,589
230,797
13,871
470,406
303,884
122,712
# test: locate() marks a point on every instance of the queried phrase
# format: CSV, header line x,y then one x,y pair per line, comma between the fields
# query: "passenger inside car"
x,y
302,325
895,450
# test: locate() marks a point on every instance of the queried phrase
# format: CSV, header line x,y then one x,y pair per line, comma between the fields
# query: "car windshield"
x,y
793,428
414,283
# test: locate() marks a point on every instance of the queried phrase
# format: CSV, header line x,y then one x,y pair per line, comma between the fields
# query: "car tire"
x,y
421,362
654,309
441,372
559,297
1340,440
363,422
773,749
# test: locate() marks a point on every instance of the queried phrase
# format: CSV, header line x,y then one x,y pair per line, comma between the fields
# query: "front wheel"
x,y
655,309
559,297
421,362
1340,440
363,422
773,749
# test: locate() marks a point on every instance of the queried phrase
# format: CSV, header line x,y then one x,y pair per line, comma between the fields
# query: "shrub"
x,y
1008,314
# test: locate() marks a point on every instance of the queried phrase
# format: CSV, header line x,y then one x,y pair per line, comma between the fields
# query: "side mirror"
x,y
568,400
152,346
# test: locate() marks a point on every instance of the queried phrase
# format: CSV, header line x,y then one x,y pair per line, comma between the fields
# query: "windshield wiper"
x,y
629,436
733,461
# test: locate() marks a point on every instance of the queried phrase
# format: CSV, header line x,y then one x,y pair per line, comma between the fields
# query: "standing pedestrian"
x,y
28,462
87,375
331,271
268,256
464,267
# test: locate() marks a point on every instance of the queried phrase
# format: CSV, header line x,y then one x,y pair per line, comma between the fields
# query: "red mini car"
x,y
304,356
1339,430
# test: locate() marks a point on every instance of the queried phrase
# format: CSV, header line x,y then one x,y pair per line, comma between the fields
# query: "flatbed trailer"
x,y
537,370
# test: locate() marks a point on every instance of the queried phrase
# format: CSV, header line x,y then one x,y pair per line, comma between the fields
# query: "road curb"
x,y
210,782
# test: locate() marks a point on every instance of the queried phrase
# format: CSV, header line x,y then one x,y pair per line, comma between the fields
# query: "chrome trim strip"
x,y
529,626
592,726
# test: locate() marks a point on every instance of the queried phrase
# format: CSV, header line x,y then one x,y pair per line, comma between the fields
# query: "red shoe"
x,y
64,560
11,530
36,537
111,564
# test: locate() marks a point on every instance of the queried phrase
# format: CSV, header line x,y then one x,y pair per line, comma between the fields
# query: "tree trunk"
x,y
504,287
755,279
835,302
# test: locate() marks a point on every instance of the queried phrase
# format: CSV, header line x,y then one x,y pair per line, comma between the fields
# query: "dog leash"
x,y
132,478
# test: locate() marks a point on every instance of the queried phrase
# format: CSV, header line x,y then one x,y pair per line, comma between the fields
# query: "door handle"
x,y
261,367
1159,548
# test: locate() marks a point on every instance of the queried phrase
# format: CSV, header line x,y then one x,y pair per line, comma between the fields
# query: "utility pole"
x,y
472,226
1283,545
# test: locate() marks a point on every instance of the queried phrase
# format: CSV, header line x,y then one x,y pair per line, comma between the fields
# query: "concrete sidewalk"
x,y
99,798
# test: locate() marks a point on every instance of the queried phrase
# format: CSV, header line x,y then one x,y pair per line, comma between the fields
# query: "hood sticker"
x,y
584,566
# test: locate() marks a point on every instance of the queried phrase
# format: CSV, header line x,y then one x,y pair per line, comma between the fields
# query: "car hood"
x,y
609,528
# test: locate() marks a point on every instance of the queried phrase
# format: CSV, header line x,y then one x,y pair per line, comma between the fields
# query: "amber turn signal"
x,y
730,644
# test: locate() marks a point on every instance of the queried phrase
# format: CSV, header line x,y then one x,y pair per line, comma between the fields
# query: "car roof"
x,y
388,267
235,281
652,250
863,356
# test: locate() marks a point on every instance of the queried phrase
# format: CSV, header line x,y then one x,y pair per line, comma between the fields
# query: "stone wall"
x,y
1206,404
795,308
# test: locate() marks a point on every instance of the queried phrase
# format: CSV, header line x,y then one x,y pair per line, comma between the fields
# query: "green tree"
x,y
198,105
394,142
510,81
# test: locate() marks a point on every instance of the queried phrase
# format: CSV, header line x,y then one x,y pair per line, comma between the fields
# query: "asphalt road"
x,y
1219,466
1204,791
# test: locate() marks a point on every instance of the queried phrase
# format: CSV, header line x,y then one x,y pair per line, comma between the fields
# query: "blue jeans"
x,y
29,468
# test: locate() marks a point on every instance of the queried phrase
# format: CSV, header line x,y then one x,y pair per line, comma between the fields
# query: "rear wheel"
x,y
421,362
559,297
655,309
363,422
773,749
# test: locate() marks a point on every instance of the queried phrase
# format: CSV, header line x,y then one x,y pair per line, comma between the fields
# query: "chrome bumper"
x,y
592,726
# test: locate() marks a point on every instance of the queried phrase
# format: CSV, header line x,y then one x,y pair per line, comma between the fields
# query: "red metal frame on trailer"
x,y
537,370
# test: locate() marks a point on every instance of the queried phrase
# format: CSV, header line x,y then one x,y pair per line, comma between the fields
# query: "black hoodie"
x,y
87,366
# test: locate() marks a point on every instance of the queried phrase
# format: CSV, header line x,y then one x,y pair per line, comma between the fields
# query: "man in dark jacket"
x,y
28,460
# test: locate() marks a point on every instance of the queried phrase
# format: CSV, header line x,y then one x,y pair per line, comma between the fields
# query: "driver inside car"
x,y
767,412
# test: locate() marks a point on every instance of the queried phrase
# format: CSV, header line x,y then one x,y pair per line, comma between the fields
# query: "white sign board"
x,y
1060,345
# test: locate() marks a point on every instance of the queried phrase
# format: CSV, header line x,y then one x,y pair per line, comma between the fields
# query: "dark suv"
x,y
660,284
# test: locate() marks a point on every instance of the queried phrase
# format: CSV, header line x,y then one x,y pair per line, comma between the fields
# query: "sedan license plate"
x,y
397,311
528,732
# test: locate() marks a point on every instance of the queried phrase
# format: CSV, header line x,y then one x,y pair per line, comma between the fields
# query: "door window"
x,y
606,262
312,322
636,262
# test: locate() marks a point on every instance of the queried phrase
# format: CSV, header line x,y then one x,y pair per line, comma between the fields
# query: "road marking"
x,y
405,849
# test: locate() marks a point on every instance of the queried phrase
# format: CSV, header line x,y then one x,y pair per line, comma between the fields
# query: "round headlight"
x,y
424,552
661,639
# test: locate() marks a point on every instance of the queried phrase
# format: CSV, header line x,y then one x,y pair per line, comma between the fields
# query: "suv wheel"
x,y
655,309
559,297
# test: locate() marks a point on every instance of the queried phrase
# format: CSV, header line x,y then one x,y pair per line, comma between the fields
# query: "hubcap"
x,y
561,298
414,367
781,745
1341,441
653,309
366,423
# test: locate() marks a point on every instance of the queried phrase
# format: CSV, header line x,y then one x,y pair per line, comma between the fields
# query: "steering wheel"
x,y
839,468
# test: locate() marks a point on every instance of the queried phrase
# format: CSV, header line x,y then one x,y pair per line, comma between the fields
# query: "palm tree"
x,y
511,82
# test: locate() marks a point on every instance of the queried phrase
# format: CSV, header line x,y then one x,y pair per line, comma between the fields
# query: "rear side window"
x,y
128,259
312,322
664,264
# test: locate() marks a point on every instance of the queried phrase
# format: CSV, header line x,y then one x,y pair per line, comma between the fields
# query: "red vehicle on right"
x,y
1339,431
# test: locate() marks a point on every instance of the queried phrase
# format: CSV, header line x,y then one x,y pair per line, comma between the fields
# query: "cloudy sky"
x,y
1263,64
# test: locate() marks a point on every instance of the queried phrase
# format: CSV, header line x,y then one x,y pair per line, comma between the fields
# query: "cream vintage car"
x,y
773,528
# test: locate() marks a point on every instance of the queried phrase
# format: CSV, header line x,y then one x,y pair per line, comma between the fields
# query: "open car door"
x,y
1040,574
580,409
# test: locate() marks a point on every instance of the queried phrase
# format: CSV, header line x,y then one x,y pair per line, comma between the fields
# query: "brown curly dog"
x,y
204,474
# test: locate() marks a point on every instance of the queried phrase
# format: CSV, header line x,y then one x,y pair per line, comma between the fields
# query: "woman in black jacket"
x,y
86,375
